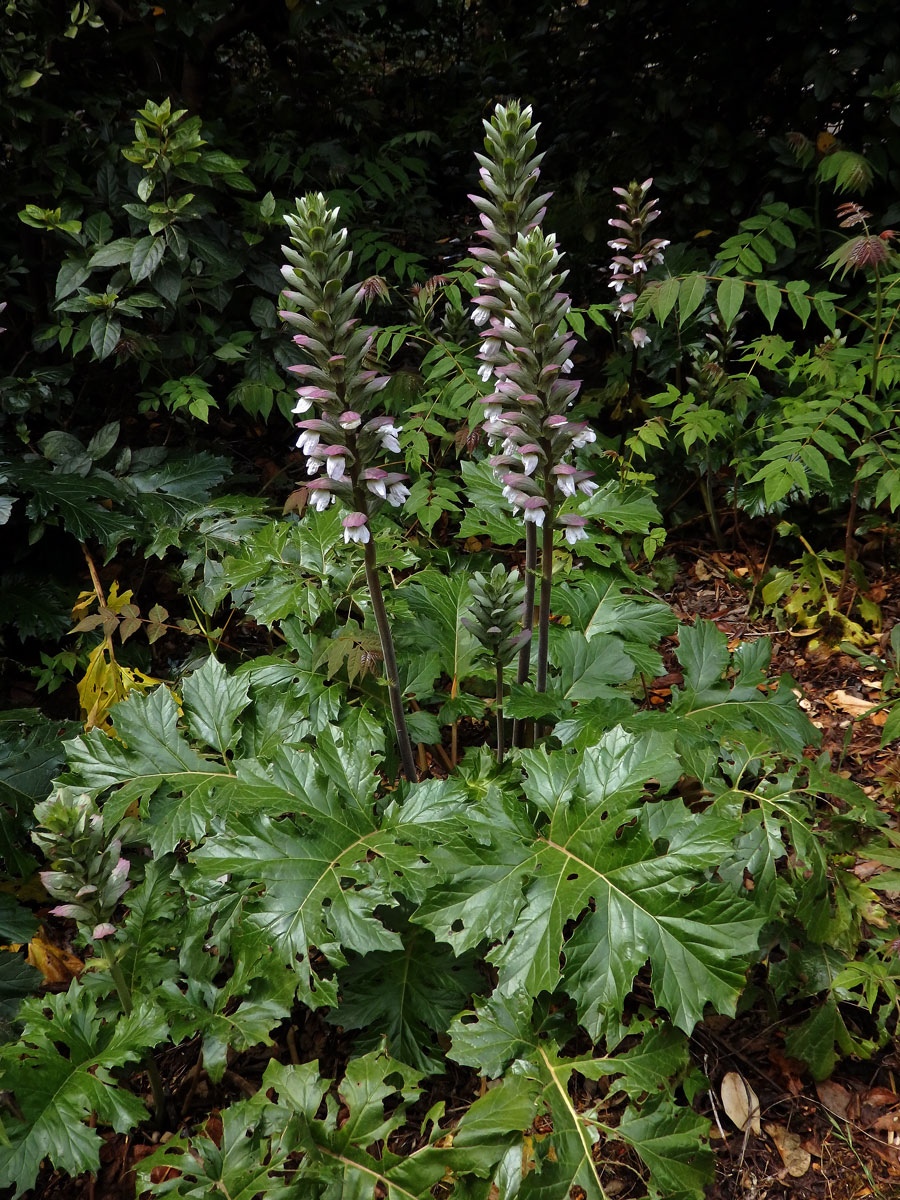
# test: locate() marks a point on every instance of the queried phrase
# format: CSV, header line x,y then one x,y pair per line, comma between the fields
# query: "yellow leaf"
x,y
825,141
55,964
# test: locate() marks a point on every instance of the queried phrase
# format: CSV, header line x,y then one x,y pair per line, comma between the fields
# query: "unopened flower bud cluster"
x,y
496,613
344,446
87,870
634,251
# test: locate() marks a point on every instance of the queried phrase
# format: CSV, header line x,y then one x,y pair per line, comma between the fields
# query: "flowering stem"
x,y
546,584
392,675
147,1061
499,703
524,666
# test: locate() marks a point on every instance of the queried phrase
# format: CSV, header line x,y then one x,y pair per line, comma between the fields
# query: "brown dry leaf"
x,y
789,1146
881,1097
789,1068
835,1097
854,706
55,964
701,571
740,1102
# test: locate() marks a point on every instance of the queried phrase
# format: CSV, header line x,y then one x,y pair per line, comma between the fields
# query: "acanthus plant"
x,y
526,354
495,619
635,253
494,919
344,438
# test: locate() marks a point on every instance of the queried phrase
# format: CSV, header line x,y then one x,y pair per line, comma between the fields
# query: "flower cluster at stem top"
x,y
634,251
337,382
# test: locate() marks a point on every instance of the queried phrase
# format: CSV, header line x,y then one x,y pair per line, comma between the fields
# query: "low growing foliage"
x,y
541,911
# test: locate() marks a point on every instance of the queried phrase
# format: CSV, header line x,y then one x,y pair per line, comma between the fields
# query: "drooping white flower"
x,y
387,435
573,526
640,336
355,528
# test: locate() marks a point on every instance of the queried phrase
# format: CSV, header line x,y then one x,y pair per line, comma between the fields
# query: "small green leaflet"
x,y
768,297
729,298
690,296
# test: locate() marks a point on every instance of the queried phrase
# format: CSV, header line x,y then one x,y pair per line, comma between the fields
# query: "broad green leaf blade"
x,y
703,654
406,997
339,1149
105,333
729,298
768,297
690,297
146,257
440,602
589,669
673,1143
213,701
242,1163
57,1092
488,515
665,297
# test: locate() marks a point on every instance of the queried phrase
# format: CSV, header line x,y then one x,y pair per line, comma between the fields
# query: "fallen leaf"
x,y
790,1069
854,706
835,1097
881,1097
740,1102
789,1146
55,964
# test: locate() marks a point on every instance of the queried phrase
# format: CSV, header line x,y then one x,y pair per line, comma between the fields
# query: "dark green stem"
x,y
499,705
714,525
392,675
524,667
546,584
147,1061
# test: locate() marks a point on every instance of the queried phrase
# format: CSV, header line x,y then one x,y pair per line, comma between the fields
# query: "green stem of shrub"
x,y
392,675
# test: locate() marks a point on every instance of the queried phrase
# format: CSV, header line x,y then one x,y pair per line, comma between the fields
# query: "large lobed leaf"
x,y
637,877
502,1035
57,1092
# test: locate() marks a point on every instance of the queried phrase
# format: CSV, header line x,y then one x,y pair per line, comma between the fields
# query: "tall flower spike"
x,y
526,350
344,437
